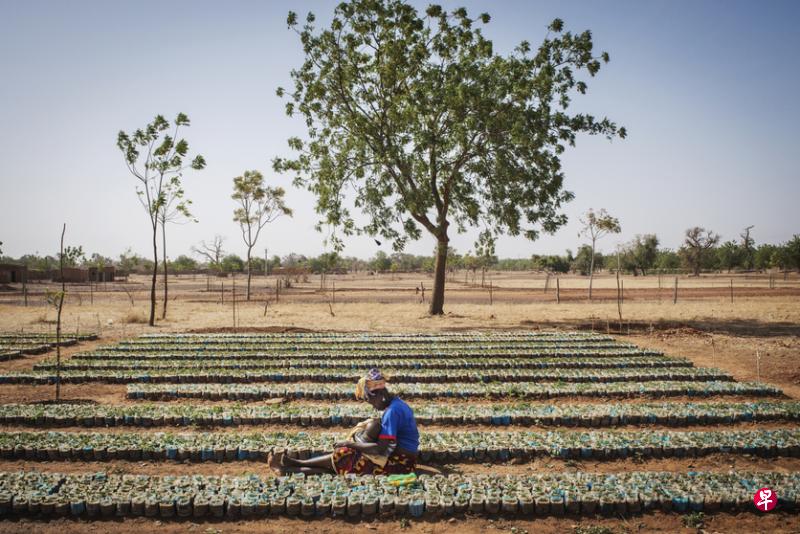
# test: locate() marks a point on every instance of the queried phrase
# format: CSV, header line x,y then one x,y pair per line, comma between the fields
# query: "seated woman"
x,y
393,452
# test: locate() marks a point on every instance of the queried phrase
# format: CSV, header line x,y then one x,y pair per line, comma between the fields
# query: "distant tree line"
x,y
701,252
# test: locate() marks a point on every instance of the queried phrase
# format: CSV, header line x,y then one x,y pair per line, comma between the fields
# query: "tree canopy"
x,y
418,116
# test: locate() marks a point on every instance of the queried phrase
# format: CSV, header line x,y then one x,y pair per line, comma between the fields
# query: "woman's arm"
x,y
380,447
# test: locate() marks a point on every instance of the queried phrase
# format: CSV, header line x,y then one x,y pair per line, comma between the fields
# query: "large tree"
x,y
791,252
641,254
211,252
156,158
418,115
696,247
595,226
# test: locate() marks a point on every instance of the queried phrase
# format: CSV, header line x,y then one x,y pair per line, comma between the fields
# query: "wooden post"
x,y
222,292
233,296
619,297
208,283
713,352
675,292
558,296
771,281
758,366
622,291
547,282
731,290
490,293
277,289
333,291
422,285
25,290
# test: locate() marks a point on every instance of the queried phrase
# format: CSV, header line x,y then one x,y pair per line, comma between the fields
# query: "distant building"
x,y
106,274
13,274
37,274
72,275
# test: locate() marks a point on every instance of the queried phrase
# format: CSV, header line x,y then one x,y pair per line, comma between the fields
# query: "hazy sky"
x,y
707,90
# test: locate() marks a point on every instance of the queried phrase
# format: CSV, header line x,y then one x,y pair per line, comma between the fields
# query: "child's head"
x,y
372,430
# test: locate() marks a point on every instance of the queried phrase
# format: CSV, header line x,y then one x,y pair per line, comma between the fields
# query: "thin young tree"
x,y
696,246
595,226
417,115
156,158
56,299
175,211
259,205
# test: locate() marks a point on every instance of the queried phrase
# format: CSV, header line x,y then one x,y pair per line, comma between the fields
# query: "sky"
x,y
707,90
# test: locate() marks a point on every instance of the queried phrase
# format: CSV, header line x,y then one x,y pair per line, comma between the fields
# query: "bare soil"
x,y
754,336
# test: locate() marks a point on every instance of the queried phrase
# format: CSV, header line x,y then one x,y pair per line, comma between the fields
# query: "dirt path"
x,y
653,522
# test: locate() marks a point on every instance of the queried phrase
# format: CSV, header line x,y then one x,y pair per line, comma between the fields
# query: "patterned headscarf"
x,y
367,385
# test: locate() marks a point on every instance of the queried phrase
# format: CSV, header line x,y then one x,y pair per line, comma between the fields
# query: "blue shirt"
x,y
398,424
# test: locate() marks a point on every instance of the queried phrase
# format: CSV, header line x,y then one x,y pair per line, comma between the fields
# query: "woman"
x,y
394,451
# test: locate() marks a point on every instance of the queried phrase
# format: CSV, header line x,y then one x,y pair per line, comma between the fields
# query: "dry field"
x,y
763,320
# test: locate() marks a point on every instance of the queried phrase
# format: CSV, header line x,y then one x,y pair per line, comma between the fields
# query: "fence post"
x,y
222,292
277,289
558,297
490,293
731,290
675,292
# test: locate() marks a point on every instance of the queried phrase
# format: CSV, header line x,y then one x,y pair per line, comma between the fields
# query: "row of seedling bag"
x,y
390,366
45,337
102,495
439,447
309,390
324,415
373,338
14,345
237,353
420,376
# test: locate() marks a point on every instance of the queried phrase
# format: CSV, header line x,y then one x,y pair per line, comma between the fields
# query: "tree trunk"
x,y
152,321
249,274
437,299
58,319
164,256
591,271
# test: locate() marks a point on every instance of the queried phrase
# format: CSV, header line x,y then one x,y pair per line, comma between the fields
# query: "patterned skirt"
x,y
347,460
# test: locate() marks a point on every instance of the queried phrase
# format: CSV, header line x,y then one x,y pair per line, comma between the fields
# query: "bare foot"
x,y
275,462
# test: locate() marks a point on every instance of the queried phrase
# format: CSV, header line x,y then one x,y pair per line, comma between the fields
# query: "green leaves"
x,y
416,114
258,204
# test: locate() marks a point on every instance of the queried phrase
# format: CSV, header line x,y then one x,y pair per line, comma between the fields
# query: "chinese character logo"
x,y
765,499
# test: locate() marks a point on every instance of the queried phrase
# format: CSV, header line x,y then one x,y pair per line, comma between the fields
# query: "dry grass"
x,y
135,316
186,315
